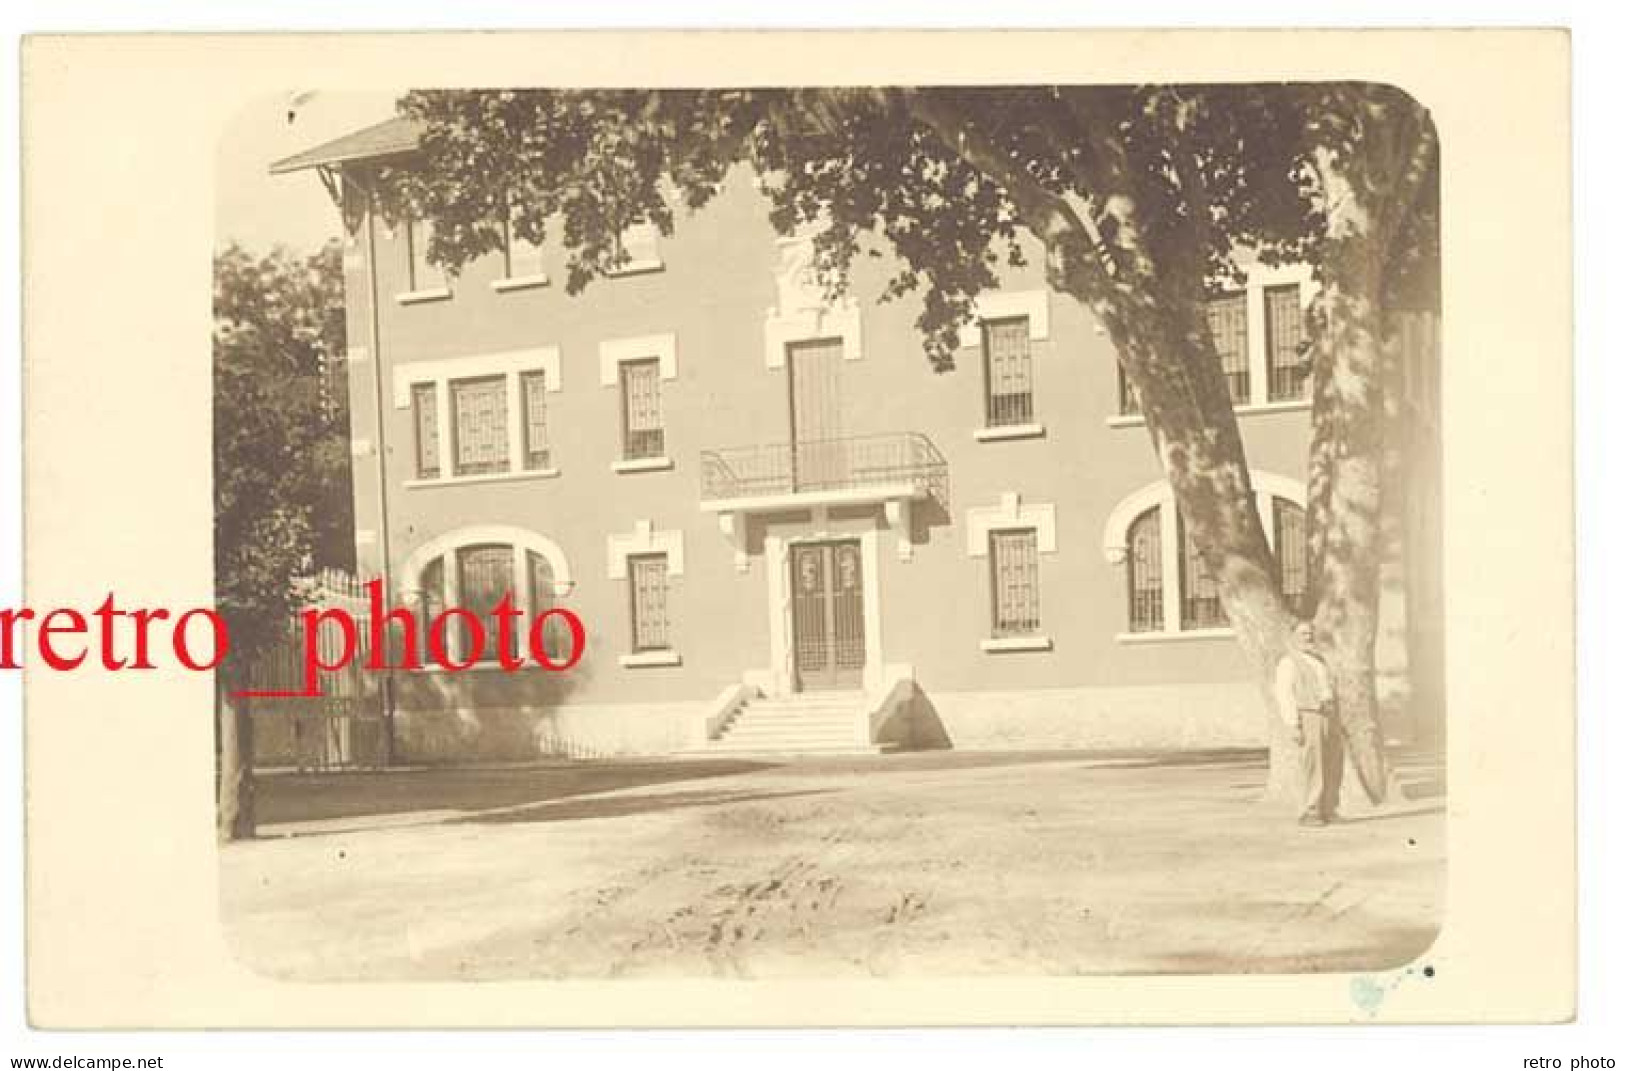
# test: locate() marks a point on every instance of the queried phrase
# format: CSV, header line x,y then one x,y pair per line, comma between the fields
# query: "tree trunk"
x,y
1167,352
1346,465
1378,164
235,786
1149,291
1345,501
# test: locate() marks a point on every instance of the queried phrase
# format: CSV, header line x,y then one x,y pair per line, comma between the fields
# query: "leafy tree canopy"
x,y
282,501
945,177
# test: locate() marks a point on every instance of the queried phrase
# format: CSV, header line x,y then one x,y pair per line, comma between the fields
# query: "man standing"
x,y
1304,697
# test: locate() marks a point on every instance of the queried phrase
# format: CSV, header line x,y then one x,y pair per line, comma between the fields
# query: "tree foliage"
x,y
942,178
281,438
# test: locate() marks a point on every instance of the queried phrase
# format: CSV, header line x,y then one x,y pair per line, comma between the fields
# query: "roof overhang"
x,y
392,137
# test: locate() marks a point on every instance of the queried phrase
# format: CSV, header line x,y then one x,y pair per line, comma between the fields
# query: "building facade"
x,y
766,506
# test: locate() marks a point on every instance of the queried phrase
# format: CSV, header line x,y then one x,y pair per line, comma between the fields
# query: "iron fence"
x,y
345,727
907,459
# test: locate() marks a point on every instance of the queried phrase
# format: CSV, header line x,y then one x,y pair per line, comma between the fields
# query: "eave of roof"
x,y
391,137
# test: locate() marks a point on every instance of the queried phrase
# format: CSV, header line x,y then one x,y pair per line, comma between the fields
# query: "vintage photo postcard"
x,y
798,529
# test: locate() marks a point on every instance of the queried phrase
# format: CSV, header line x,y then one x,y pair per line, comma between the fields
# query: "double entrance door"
x,y
826,603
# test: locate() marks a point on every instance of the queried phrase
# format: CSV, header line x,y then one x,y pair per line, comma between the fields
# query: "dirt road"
x,y
920,864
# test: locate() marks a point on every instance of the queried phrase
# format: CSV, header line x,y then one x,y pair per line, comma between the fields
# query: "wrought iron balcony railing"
x,y
904,459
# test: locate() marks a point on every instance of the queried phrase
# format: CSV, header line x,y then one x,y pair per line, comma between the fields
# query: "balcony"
x,y
894,469
865,468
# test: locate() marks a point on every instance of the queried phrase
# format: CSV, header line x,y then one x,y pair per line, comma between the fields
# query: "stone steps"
x,y
819,723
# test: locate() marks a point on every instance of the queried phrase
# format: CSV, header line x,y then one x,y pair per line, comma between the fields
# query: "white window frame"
x,y
1033,306
510,282
445,548
614,352
1011,513
1267,487
1260,277
415,292
511,365
645,539
649,233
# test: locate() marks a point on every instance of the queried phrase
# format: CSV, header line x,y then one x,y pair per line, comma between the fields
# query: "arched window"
x,y
484,578
474,569
1145,572
1170,589
1199,605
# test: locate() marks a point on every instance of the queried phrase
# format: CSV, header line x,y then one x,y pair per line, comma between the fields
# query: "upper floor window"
x,y
1260,338
641,244
643,435
421,275
479,417
479,425
1128,399
426,424
1013,557
1227,324
533,388
521,261
1008,359
639,369
1286,346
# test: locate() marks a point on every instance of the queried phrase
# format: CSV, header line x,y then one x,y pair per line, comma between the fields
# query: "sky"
x,y
260,210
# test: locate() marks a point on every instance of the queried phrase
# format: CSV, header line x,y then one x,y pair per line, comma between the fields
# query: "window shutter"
x,y
427,420
1145,572
1199,589
1015,582
484,576
480,425
431,598
533,386
1287,356
650,630
1292,555
1227,323
556,638
644,436
1008,348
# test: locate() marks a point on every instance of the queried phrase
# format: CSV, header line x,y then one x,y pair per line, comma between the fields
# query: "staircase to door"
x,y
810,723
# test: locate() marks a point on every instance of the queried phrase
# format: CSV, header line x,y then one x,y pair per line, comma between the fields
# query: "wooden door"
x,y
827,612
815,415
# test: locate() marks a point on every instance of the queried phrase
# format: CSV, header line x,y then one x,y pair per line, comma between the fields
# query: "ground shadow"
x,y
284,798
622,806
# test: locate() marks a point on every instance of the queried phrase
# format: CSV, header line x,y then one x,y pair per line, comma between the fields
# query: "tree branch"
x,y
1062,223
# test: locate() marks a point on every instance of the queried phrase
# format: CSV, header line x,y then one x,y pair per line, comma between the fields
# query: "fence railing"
x,y
908,459
342,729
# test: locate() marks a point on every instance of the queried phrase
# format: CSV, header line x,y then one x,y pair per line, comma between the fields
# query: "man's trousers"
x,y
1322,764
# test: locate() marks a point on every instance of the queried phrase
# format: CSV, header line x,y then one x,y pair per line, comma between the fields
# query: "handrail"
x,y
907,458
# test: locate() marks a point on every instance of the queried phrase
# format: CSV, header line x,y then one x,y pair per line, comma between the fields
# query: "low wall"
x,y
574,731
1188,716
1143,716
